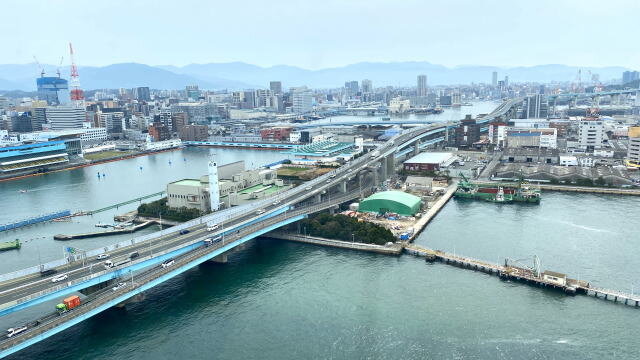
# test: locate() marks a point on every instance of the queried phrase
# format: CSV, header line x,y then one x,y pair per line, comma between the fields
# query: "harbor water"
x,y
280,300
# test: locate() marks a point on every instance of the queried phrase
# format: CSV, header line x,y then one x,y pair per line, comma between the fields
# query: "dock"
x,y
35,220
546,279
115,206
64,237
394,249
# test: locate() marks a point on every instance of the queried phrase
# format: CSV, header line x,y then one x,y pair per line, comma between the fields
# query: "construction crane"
x,y
59,65
76,93
40,67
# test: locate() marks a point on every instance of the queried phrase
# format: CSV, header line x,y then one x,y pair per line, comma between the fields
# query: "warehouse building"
x,y
429,161
391,201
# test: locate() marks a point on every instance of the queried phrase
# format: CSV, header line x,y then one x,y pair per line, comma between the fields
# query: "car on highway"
x,y
184,231
212,227
108,264
15,331
308,188
48,272
134,255
276,202
102,256
260,212
119,286
168,263
58,278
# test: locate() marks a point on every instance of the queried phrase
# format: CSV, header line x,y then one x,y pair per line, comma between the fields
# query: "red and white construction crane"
x,y
76,93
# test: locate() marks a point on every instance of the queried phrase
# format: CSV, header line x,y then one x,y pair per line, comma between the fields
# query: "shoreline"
x,y
92,163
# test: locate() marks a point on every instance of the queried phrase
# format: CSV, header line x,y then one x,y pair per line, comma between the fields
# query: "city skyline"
x,y
523,31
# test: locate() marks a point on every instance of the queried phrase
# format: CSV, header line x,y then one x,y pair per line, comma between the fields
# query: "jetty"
x,y
35,220
529,275
64,237
391,249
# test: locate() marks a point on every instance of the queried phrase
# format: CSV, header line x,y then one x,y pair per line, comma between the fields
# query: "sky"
x,y
322,34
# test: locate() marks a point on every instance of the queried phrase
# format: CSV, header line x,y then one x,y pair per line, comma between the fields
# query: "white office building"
x,y
591,133
62,118
302,100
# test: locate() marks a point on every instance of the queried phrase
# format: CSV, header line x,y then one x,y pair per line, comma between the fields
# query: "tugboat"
x,y
519,192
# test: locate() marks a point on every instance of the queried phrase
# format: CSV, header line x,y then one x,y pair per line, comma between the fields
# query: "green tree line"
x,y
155,208
341,227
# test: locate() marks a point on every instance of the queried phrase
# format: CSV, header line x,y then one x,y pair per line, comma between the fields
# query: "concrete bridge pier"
x,y
416,148
221,259
343,186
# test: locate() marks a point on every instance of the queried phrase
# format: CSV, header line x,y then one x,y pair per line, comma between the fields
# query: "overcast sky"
x,y
325,33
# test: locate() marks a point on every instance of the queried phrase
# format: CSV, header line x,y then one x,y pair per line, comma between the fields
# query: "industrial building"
x,y
633,152
429,161
518,138
391,202
235,184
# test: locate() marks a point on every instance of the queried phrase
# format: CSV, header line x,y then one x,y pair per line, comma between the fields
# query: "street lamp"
x,y
353,237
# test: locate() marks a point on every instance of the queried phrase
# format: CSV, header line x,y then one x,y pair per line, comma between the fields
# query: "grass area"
x,y
107,154
291,170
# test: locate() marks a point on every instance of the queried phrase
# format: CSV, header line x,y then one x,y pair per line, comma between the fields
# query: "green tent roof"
x,y
391,201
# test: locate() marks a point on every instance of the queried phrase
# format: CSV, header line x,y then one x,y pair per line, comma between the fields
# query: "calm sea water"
x,y
279,300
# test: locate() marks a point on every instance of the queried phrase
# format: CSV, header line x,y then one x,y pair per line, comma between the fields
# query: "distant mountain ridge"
x,y
239,75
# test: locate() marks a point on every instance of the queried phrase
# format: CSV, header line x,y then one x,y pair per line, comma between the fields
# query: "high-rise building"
x,y
66,117
142,93
422,85
352,87
54,90
275,87
367,86
302,100
506,80
39,118
629,76
193,92
591,133
494,79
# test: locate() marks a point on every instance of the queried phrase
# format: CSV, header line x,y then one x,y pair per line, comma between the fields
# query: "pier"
x,y
115,206
35,220
546,279
393,249
135,228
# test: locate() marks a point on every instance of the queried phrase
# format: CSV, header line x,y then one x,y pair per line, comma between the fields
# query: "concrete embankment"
x,y
433,211
394,249
589,189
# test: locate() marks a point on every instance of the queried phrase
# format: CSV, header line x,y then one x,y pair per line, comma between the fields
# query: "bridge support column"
x,y
318,198
221,259
416,148
343,186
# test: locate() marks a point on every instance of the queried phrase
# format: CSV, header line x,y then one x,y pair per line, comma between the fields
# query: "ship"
x,y
521,192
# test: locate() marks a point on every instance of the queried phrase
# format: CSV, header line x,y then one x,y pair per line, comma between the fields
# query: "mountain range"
x,y
239,75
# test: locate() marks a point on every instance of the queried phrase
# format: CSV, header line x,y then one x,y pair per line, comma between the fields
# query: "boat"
x,y
22,191
498,193
10,245
101,225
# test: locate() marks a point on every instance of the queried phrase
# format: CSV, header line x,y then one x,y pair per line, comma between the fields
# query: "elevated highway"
x,y
187,244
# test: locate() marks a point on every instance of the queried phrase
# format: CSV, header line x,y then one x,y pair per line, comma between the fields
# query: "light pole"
x,y
353,238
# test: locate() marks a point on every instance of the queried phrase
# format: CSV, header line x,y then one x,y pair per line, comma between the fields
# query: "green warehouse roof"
x,y
391,201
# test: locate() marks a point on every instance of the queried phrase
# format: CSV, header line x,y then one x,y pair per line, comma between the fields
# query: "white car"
x,y
168,263
55,279
120,285
102,256
15,331
212,227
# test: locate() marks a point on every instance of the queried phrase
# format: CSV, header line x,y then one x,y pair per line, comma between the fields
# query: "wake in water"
x,y
583,227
